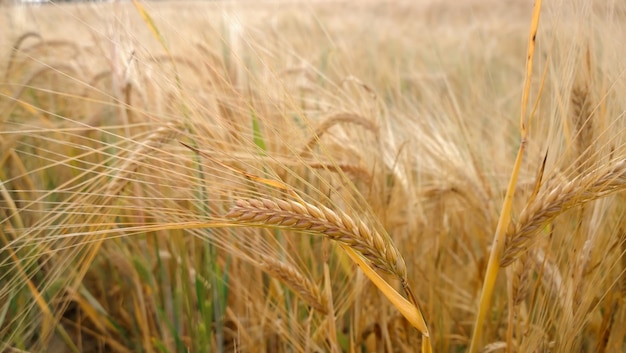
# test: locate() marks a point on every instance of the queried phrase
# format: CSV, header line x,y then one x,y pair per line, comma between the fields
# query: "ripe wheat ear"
x,y
557,199
337,226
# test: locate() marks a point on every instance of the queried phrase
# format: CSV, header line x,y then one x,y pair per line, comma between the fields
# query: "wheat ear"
x,y
294,279
133,161
582,113
582,107
556,200
337,226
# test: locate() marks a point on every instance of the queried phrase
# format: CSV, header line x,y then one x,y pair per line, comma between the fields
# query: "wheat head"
x,y
337,226
294,279
556,200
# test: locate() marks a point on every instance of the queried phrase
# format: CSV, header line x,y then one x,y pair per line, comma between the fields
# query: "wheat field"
x,y
323,176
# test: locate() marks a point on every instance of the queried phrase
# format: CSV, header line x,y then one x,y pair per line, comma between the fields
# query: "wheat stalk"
x,y
337,226
556,200
622,242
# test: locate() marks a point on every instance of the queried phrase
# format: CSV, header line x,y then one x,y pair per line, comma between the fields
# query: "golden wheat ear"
x,y
337,226
558,198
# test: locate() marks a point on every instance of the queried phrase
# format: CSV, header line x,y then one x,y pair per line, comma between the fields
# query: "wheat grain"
x,y
337,226
556,200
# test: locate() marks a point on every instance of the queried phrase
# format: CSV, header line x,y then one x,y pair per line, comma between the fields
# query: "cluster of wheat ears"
x,y
319,177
